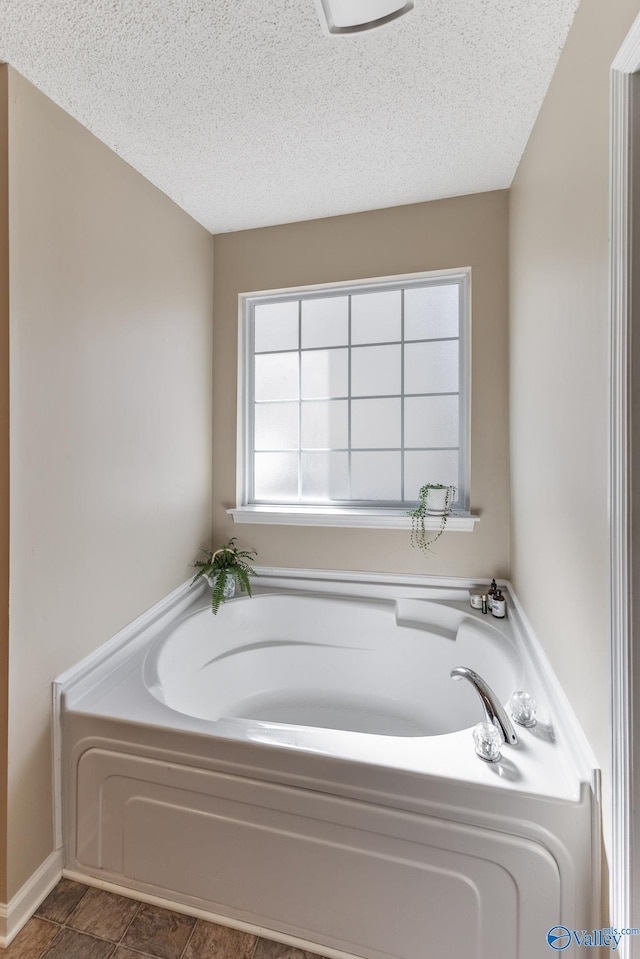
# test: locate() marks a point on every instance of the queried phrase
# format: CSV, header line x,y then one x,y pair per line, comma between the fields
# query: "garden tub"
x,y
302,763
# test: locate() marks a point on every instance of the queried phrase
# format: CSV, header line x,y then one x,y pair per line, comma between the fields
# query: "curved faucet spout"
x,y
492,709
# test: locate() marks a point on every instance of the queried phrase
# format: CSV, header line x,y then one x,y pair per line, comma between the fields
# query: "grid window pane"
x,y
276,477
325,477
376,476
431,312
376,317
431,367
375,423
325,321
429,466
276,376
355,392
276,426
276,326
325,373
325,425
431,421
375,370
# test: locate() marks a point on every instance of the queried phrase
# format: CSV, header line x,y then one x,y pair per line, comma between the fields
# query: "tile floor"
x,y
82,922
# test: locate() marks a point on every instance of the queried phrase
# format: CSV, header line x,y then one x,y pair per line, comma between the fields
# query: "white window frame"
x,y
349,515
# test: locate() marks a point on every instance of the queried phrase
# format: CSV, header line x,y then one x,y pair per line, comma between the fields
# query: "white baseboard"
x,y
14,914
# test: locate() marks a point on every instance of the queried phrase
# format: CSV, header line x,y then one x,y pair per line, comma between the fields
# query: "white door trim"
x,y
623,693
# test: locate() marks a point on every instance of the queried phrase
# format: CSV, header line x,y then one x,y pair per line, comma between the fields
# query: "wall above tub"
x,y
467,231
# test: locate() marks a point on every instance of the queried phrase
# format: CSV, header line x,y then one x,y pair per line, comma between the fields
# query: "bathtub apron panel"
x,y
363,879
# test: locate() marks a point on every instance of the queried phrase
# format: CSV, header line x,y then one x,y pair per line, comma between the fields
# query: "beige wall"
x,y
559,367
458,232
111,304
4,471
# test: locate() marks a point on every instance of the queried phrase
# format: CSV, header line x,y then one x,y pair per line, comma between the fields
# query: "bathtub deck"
x,y
84,922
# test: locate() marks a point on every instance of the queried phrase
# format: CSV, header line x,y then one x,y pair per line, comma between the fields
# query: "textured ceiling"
x,y
247,115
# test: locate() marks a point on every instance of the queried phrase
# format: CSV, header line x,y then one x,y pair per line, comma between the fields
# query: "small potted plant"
x,y
224,569
434,499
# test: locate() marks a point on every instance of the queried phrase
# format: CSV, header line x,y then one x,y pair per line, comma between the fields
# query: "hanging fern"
x,y
224,565
419,536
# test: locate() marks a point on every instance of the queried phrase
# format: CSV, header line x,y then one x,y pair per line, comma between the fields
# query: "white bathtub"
x,y
303,763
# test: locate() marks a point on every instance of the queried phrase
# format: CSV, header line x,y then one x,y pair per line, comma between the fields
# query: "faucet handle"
x,y
488,742
523,707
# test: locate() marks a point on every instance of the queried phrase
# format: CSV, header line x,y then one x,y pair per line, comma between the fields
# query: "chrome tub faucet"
x,y
493,711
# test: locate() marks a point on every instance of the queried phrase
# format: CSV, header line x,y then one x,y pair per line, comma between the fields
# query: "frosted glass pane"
x,y
431,367
375,476
276,376
439,466
431,421
375,370
431,312
276,326
325,477
276,477
325,321
375,317
276,426
375,423
325,373
325,425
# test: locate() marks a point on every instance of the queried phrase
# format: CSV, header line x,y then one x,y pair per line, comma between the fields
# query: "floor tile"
x,y
32,940
123,953
266,949
103,914
210,941
61,901
158,932
76,945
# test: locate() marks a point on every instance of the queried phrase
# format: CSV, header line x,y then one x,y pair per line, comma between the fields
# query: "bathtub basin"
x,y
330,663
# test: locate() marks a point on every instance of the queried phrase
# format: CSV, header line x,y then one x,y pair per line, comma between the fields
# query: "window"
x,y
355,395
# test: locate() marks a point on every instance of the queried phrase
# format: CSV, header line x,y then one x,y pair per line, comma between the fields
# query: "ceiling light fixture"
x,y
344,17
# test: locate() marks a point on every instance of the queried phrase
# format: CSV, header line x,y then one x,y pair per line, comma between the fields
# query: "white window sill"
x,y
355,518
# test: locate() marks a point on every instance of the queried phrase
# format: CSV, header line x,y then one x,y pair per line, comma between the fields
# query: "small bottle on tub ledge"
x,y
499,606
491,594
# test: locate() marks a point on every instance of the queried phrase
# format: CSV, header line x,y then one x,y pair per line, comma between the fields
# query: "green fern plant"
x,y
419,537
224,565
